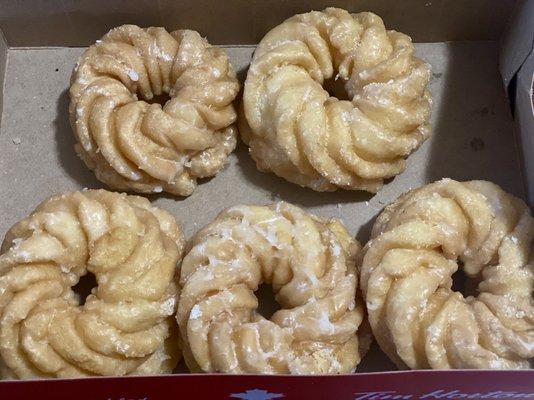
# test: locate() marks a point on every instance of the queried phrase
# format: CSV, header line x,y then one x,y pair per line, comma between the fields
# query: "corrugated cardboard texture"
x,y
3,59
80,22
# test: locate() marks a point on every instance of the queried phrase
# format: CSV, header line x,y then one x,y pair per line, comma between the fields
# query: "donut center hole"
x,y
336,88
464,284
267,303
84,287
161,99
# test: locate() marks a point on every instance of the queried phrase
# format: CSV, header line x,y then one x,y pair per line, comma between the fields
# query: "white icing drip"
x,y
134,76
335,248
157,189
195,312
271,236
158,53
165,56
135,176
83,80
325,324
312,277
25,255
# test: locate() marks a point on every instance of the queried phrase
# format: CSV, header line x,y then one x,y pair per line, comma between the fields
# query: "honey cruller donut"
x,y
136,146
310,264
298,131
125,326
418,242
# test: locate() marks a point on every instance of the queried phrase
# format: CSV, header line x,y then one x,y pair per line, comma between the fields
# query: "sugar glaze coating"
x,y
295,129
418,243
309,263
133,145
126,325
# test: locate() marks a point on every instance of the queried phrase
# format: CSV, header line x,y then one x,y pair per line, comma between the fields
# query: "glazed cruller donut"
x,y
298,131
418,242
136,146
126,325
310,264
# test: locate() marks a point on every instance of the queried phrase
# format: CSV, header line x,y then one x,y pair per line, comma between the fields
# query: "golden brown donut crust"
x,y
309,262
136,146
298,131
417,243
125,325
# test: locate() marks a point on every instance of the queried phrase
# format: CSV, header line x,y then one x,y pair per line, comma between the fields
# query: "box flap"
x,y
33,23
524,115
518,41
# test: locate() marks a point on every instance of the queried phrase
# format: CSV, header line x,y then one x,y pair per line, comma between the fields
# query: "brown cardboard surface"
x,y
472,139
3,59
80,22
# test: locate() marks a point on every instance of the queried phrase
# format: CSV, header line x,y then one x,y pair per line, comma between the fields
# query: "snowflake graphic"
x,y
256,394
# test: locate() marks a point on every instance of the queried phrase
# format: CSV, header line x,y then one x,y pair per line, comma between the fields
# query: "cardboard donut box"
x,y
483,128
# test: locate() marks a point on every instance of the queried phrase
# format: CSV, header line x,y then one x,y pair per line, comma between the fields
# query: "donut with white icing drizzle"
x,y
309,262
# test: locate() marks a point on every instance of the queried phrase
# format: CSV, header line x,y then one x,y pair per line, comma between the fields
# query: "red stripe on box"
x,y
409,385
